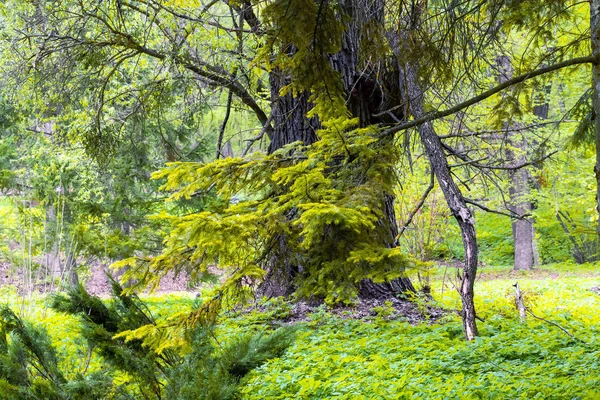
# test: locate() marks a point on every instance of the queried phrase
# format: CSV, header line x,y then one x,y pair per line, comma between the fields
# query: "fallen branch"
x,y
556,325
520,303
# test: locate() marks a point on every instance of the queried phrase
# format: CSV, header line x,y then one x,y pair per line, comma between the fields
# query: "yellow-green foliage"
x,y
347,359
64,329
387,358
326,199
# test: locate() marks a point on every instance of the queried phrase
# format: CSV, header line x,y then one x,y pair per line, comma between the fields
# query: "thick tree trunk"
x,y
454,198
595,36
371,290
290,124
368,94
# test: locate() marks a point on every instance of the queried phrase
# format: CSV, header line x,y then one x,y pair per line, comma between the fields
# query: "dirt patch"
x,y
389,309
96,282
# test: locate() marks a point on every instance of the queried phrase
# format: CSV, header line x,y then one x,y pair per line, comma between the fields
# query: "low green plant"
x,y
32,365
391,359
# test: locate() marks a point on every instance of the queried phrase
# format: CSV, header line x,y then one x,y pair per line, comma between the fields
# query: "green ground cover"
x,y
379,357
347,359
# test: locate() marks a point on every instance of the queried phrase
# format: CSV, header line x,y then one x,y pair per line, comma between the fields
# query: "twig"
x,y
224,124
489,93
418,207
556,325
260,135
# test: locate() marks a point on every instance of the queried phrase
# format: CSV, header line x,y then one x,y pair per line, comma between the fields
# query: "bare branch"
x,y
259,136
491,210
556,325
489,93
419,205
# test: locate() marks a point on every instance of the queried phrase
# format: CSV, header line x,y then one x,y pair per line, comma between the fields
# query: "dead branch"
x,y
431,116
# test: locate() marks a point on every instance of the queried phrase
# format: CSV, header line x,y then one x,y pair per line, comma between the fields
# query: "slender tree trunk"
x,y
595,36
413,98
578,252
519,190
454,198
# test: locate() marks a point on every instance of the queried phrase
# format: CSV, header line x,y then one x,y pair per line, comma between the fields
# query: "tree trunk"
x,y
413,98
595,36
522,227
519,190
454,198
368,289
369,92
291,124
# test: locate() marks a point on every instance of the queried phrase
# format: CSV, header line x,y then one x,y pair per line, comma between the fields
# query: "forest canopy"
x,y
329,152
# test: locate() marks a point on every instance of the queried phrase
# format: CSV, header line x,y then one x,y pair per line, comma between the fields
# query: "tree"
x,y
114,40
314,215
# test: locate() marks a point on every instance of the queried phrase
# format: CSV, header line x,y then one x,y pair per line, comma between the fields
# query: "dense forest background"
x,y
277,159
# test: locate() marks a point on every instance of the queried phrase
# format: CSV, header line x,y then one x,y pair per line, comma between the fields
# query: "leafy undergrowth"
x,y
376,359
383,356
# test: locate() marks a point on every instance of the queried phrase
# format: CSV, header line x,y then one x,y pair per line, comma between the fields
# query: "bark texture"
x,y
367,94
595,41
456,202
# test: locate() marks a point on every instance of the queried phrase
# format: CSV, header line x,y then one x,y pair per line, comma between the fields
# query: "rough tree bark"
x,y
290,124
456,202
366,94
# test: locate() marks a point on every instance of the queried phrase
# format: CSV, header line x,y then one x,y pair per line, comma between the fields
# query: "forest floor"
x,y
554,353
387,350
95,280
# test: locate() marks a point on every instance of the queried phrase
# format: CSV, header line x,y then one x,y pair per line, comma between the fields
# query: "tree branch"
x,y
488,93
259,136
490,210
419,205
210,72
224,124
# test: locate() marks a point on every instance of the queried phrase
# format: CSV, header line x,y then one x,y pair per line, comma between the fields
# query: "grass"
x,y
386,359
335,358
